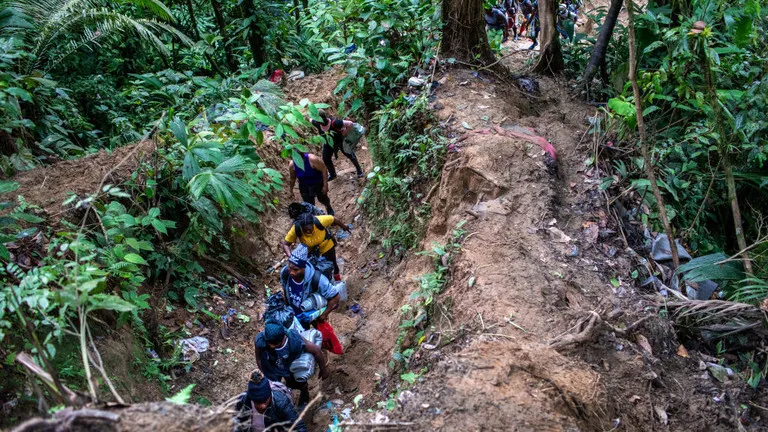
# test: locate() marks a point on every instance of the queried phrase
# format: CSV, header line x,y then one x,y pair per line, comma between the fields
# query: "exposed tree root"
x,y
588,328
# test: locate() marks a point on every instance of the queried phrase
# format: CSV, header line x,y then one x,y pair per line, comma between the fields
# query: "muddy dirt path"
x,y
542,254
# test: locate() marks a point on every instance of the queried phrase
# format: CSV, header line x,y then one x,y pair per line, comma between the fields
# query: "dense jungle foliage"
x,y
84,75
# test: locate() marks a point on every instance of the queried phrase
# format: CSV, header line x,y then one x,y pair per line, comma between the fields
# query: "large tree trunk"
x,y
222,24
597,59
255,38
297,15
551,58
464,33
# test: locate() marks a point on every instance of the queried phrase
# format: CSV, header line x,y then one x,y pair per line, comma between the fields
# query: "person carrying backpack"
x,y
339,135
313,232
266,405
300,279
311,295
277,348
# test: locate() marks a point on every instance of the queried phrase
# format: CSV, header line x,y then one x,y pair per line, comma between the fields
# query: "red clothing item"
x,y
277,76
330,341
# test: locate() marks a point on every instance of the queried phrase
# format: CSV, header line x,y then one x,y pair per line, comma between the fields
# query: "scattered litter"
x,y
296,75
529,134
661,413
661,252
682,352
574,252
529,85
346,413
702,365
477,75
719,398
405,397
466,125
720,373
192,347
152,353
356,308
432,342
558,236
380,418
463,83
227,318
342,235
619,347
350,49
416,82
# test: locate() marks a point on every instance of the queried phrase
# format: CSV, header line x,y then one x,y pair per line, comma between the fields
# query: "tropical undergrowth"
x,y
408,149
702,79
127,248
418,318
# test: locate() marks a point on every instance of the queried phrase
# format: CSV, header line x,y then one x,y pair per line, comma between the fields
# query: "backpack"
x,y
278,310
279,387
322,267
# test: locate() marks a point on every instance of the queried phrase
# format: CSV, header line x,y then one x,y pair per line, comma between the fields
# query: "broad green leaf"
x,y
159,226
19,93
8,186
298,159
139,245
135,259
179,130
109,302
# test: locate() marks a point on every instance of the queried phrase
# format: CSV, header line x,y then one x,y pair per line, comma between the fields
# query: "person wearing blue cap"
x,y
266,405
300,279
276,348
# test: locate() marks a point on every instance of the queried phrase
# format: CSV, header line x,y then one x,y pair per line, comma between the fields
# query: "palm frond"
x,y
721,317
752,290
158,8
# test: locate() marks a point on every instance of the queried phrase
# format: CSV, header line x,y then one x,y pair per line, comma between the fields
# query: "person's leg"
x,y
353,158
302,387
331,256
307,193
323,198
328,159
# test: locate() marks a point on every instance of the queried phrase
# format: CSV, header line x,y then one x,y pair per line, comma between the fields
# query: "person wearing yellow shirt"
x,y
312,231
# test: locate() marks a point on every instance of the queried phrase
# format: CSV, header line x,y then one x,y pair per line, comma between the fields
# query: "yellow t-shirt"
x,y
317,238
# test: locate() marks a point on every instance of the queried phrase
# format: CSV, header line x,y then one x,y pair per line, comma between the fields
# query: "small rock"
x,y
425,405
416,82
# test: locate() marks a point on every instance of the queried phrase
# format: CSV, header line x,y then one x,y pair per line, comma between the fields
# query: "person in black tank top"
x,y
333,131
313,181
